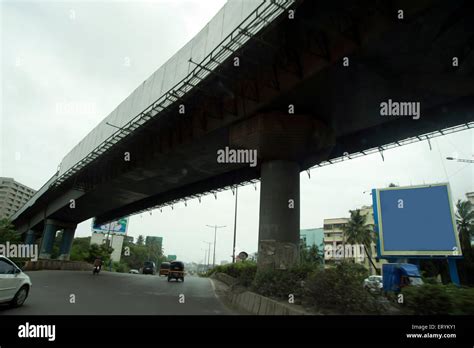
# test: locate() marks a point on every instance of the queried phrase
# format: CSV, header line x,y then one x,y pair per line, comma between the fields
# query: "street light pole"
x,y
215,237
208,253
205,257
235,225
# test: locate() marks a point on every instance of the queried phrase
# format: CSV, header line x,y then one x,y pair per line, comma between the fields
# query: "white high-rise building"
x,y
13,196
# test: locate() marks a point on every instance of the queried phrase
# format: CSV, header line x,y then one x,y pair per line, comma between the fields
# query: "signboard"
x,y
114,227
415,221
243,255
171,257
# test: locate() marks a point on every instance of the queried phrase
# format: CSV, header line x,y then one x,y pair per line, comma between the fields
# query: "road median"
x,y
251,302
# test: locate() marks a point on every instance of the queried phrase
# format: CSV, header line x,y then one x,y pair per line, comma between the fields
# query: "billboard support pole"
x,y
453,271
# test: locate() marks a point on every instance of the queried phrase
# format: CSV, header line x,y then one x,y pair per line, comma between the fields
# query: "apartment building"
x,y
334,238
13,195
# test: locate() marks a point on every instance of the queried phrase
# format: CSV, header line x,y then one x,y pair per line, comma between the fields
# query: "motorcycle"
x,y
96,270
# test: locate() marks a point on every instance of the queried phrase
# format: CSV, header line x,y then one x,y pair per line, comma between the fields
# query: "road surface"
x,y
75,292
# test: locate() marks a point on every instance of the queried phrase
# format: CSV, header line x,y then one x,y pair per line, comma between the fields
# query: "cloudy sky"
x,y
65,65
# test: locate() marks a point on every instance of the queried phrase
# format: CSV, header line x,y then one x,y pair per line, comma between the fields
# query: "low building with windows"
x,y
334,239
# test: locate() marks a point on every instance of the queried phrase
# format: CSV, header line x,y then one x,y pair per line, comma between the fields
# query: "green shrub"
x,y
431,299
282,283
462,300
427,299
120,267
340,289
244,271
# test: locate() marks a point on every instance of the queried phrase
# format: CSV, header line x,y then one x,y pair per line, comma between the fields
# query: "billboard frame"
x,y
382,253
110,232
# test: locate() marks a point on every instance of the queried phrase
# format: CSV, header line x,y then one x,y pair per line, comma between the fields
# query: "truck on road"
x,y
395,276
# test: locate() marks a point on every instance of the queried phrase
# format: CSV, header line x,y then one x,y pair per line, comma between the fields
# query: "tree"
x,y
102,251
357,231
464,221
310,255
80,249
140,240
8,233
465,224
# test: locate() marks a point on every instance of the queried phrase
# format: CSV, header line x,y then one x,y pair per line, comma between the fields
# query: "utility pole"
x,y
215,227
235,225
208,254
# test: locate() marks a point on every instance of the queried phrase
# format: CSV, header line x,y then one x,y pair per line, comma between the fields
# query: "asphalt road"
x,y
80,293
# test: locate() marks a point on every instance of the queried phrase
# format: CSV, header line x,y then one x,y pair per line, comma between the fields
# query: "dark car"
x,y
176,271
149,267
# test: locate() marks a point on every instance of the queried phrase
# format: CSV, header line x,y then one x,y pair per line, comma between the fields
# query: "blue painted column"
x,y
66,243
30,237
47,241
453,271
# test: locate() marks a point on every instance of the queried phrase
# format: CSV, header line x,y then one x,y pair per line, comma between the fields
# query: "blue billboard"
x,y
415,221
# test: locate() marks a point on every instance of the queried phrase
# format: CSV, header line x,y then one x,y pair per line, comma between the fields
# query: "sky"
x,y
65,65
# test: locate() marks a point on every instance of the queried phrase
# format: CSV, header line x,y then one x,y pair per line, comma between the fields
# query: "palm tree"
x,y
357,231
465,222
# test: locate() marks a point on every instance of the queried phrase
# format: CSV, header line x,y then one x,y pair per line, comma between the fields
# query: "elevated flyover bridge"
x,y
298,83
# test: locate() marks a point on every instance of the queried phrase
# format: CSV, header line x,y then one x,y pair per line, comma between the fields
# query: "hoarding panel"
x,y
114,227
182,62
232,17
169,74
157,85
416,220
199,50
214,34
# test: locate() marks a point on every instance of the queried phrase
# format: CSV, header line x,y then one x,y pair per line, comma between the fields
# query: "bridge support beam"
x,y
30,237
279,226
282,142
47,241
66,243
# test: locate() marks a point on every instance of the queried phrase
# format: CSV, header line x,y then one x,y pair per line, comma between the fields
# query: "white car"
x,y
134,271
373,283
14,284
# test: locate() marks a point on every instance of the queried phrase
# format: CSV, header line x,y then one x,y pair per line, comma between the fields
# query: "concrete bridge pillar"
x,y
47,241
30,237
279,226
283,143
66,243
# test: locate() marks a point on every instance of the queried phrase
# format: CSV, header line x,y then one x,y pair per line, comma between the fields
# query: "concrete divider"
x,y
225,278
57,265
255,303
261,305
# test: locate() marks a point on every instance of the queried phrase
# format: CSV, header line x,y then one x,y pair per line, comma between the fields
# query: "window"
x,y
6,267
